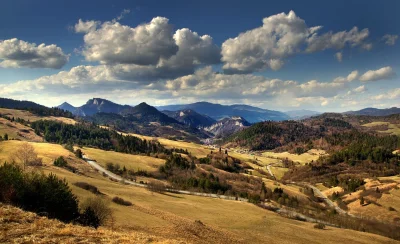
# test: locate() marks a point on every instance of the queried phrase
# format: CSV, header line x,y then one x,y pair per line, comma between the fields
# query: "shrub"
x,y
121,201
100,207
69,147
320,226
391,209
60,162
88,187
78,153
89,218
156,186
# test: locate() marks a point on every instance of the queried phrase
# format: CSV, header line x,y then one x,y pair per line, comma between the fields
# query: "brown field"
x,y
48,152
279,172
171,217
28,116
133,162
17,131
18,226
302,158
393,129
377,205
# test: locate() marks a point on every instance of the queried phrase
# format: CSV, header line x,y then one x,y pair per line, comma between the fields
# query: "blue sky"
x,y
277,65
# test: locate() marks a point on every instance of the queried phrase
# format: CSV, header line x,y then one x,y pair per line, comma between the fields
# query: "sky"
x,y
281,55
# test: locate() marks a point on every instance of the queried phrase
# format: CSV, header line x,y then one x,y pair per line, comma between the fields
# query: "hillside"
x,y
168,218
34,108
218,111
230,173
25,227
271,135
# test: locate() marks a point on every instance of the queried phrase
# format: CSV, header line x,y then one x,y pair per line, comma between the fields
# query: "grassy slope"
x,y
170,214
173,216
393,129
18,226
17,131
26,115
134,162
302,158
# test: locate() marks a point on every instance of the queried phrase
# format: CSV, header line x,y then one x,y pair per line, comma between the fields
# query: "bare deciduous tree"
x,y
27,156
100,206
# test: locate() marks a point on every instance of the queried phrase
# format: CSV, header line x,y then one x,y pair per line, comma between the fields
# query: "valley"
x,y
163,196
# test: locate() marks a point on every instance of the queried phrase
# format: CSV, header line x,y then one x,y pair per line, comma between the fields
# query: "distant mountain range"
x,y
218,111
93,106
375,111
190,121
191,118
301,114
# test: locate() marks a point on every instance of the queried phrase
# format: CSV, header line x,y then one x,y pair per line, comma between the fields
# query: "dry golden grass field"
x,y
134,162
383,206
17,131
172,217
26,115
302,158
17,226
393,129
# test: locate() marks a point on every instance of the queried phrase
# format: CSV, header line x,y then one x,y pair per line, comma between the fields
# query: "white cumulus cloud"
x,y
16,53
379,74
281,36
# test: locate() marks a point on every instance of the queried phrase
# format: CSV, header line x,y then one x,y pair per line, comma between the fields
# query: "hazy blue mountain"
x,y
67,107
146,113
375,111
93,106
218,111
301,114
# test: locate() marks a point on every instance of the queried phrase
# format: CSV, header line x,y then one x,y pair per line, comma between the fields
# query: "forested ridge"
x,y
88,134
34,108
358,153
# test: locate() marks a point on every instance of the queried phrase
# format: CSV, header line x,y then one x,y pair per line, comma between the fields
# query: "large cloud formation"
x,y
16,53
279,37
149,51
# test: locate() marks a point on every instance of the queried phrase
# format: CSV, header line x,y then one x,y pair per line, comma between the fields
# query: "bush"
x,y
320,226
78,153
89,218
156,186
121,201
60,162
88,187
100,208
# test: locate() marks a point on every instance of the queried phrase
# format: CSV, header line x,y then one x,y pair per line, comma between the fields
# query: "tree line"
x,y
88,134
